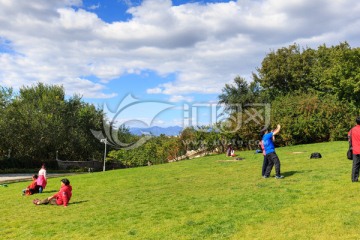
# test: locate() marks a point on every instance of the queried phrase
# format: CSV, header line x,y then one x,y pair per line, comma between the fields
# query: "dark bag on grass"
x,y
349,152
315,155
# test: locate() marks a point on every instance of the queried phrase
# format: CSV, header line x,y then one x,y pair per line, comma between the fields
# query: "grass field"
x,y
204,198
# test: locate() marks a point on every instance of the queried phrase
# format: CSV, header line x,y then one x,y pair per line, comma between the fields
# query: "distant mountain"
x,y
156,131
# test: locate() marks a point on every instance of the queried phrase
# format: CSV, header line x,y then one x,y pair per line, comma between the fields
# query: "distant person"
x,y
61,198
355,141
271,155
42,180
228,151
32,188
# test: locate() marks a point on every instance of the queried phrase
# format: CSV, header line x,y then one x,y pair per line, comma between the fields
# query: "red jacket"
x,y
32,188
32,185
355,137
64,195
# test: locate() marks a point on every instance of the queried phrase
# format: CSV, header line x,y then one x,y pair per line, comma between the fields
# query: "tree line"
x,y
312,93
38,124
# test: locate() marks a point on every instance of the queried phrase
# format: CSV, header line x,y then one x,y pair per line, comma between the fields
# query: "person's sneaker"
x,y
279,177
265,176
36,201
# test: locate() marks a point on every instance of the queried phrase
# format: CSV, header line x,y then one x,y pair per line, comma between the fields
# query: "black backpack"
x,y
315,155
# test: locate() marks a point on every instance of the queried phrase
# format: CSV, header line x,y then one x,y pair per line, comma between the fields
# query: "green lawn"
x,y
204,198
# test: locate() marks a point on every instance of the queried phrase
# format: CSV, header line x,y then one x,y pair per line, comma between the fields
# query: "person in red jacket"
x,y
61,198
32,188
354,138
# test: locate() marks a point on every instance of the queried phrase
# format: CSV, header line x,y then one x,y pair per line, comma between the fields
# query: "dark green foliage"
x,y
314,94
307,118
156,150
39,121
286,70
240,92
328,70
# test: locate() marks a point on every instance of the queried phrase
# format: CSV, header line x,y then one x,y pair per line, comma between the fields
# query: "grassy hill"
x,y
205,198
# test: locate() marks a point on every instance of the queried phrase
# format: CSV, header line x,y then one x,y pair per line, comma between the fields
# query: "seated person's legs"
x,y
45,201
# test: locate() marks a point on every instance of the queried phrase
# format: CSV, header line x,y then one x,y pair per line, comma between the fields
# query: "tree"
x,y
336,72
79,118
33,121
328,71
307,118
239,94
314,93
286,70
187,138
39,121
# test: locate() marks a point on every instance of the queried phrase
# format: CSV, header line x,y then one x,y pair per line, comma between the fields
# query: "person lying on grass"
x,y
61,198
32,188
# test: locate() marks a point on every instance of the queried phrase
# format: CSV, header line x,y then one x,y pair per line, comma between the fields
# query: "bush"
x,y
307,118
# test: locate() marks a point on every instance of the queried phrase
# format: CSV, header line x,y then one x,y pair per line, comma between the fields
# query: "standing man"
x,y
354,137
271,156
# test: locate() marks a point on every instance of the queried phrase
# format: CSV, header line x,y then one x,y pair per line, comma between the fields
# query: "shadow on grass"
x,y
78,202
290,173
51,191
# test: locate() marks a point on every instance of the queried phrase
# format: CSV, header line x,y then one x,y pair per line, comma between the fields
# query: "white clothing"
x,y
42,172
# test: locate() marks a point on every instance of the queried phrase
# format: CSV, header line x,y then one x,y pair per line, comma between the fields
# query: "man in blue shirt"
x,y
271,156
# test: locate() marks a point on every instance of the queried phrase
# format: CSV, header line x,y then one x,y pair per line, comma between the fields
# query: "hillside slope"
x,y
211,197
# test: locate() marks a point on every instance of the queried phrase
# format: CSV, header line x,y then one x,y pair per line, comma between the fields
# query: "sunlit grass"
x,y
204,198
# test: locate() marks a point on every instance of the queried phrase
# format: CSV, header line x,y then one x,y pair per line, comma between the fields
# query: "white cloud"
x,y
78,20
179,98
204,45
93,7
154,90
84,87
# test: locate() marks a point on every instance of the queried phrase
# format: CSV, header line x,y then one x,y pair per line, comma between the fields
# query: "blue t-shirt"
x,y
268,143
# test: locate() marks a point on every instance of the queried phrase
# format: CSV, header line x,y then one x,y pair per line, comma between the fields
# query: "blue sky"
x,y
161,52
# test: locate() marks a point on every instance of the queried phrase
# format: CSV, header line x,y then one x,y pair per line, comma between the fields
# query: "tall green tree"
x,y
327,70
238,94
337,72
286,70
39,121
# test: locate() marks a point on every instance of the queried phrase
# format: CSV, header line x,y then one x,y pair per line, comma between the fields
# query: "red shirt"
x,y
64,195
355,139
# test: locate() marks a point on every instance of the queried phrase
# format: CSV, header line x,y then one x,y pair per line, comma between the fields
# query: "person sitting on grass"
x,y
32,188
61,198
